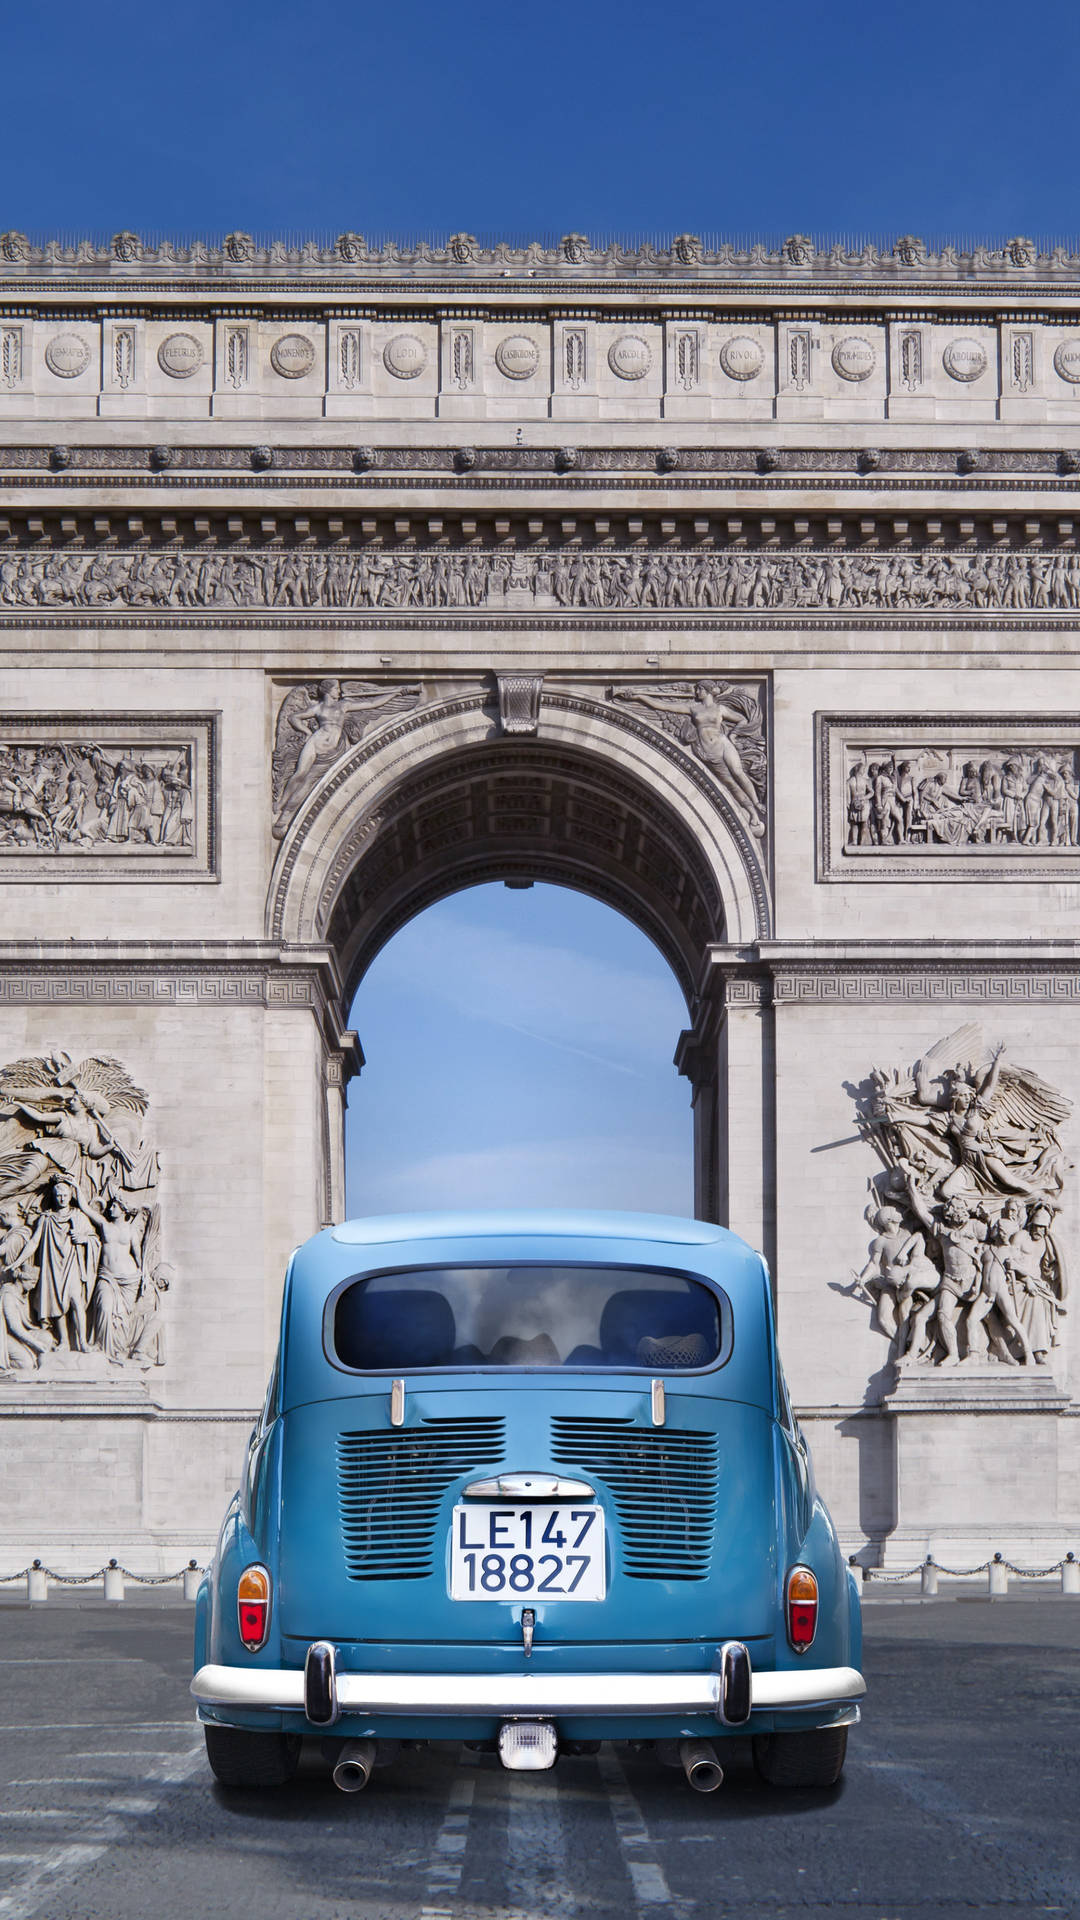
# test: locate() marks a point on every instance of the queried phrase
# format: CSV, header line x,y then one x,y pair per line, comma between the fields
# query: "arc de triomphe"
x,y
739,589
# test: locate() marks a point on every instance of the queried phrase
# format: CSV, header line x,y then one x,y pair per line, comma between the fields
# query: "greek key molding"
x,y
843,984
93,985
954,797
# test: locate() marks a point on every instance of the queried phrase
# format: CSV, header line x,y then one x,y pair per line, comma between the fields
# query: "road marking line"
x,y
96,1726
635,1841
448,1851
48,1873
41,1813
537,1868
63,1780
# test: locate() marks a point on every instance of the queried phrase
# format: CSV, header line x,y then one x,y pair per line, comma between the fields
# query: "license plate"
x,y
527,1553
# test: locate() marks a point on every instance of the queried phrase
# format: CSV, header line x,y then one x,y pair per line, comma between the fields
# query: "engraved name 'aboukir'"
x,y
919,583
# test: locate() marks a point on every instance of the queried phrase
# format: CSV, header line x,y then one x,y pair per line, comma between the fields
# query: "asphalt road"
x,y
960,1797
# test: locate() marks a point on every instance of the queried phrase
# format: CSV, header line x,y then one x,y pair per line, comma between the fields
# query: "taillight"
x,y
253,1607
802,1606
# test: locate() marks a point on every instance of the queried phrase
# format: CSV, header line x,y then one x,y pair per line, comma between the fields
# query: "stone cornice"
x,y
164,973
676,468
836,973
239,264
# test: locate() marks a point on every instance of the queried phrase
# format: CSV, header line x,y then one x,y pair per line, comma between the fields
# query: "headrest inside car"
x,y
394,1328
641,1314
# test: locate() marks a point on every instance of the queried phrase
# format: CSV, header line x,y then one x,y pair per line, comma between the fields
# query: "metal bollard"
x,y
37,1584
928,1576
114,1582
192,1580
998,1577
1070,1574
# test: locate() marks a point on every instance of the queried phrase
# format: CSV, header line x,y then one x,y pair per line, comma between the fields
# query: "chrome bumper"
x,y
531,1695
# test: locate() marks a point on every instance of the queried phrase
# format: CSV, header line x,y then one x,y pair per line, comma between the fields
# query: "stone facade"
x,y
738,588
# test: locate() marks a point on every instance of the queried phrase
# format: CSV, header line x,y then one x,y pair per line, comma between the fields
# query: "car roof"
x,y
547,1223
554,1236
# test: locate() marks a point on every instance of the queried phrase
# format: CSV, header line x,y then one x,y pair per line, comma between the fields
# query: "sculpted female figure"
x,y
119,1275
709,716
63,1245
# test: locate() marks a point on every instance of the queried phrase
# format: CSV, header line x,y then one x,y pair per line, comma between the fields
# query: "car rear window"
x,y
529,1315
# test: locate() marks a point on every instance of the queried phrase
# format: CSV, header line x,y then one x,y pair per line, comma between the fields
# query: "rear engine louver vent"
x,y
390,1486
663,1485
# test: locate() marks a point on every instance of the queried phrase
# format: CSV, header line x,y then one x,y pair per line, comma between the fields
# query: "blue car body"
x,y
354,1474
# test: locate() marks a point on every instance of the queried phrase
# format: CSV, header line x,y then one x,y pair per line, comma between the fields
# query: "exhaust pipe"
x,y
700,1765
352,1770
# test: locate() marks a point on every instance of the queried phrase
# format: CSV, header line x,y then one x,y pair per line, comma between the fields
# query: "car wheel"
x,y
243,1759
811,1759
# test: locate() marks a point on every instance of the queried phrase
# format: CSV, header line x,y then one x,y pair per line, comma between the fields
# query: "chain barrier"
x,y
87,1579
961,1573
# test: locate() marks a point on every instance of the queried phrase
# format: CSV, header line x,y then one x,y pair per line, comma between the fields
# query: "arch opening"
x,y
521,812
519,1053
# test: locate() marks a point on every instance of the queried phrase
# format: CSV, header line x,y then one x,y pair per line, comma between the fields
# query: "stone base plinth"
x,y
978,1465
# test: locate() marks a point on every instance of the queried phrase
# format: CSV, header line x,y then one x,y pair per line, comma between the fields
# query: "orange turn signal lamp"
x,y
253,1607
802,1607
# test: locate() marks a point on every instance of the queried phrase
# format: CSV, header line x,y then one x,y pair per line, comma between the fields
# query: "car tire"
x,y
240,1758
811,1759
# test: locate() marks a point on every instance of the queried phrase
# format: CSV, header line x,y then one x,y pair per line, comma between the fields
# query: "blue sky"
x,y
519,1049
520,1043
575,115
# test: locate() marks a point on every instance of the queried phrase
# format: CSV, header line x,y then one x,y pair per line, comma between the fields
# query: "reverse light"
x,y
802,1607
253,1607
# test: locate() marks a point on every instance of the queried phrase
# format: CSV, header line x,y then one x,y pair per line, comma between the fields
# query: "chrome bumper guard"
x,y
529,1695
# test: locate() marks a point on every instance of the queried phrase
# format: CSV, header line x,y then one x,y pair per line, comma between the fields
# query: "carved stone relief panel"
x,y
722,724
910,797
317,723
549,580
81,1272
107,797
965,1265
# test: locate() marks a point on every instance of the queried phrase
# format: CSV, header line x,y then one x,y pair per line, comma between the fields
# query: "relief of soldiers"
x,y
75,797
965,1265
936,798
828,583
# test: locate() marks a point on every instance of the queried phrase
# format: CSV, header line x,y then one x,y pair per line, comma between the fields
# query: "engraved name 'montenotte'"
x,y
292,356
923,584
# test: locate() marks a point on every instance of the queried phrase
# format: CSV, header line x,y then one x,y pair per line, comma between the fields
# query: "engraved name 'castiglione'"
x,y
544,581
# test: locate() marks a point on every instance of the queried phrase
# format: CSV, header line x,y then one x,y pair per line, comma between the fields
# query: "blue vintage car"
x,y
530,1481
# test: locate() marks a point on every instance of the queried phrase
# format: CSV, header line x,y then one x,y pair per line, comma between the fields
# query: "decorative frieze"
x,y
965,1263
925,984
461,258
107,796
81,1272
347,579
915,797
